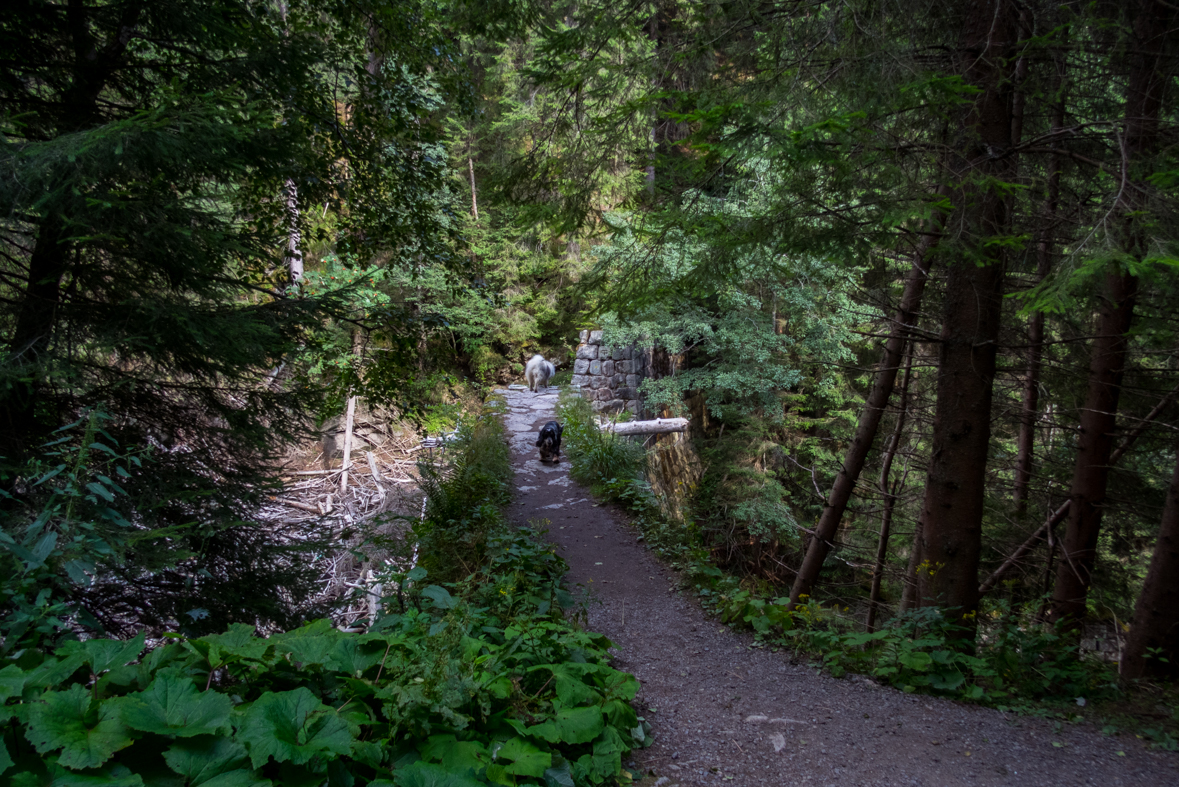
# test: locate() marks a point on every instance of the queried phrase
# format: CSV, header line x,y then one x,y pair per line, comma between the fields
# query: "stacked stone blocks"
x,y
609,377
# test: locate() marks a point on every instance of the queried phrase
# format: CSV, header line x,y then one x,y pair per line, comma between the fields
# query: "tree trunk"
x,y
889,492
349,420
1060,513
909,594
1144,93
951,537
32,336
1095,444
474,198
294,237
886,374
657,426
1154,632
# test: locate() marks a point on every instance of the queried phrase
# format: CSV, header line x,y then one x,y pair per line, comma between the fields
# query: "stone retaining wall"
x,y
609,377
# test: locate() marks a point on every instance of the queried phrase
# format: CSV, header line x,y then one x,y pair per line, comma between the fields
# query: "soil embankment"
x,y
725,713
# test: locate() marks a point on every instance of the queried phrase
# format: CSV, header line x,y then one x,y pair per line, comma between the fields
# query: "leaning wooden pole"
x,y
349,420
889,491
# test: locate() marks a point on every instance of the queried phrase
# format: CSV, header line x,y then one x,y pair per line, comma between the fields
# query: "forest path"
x,y
726,713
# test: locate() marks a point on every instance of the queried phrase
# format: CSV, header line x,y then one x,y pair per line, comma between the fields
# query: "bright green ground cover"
x,y
485,680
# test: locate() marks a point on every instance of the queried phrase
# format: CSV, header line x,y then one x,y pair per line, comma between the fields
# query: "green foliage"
x,y
611,465
143,273
72,541
476,696
483,681
464,493
1016,663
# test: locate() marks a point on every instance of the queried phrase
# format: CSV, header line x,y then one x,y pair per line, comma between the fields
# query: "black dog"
x,y
549,442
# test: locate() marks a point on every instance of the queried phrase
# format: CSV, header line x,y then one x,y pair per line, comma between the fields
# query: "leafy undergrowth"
x,y
1017,664
486,680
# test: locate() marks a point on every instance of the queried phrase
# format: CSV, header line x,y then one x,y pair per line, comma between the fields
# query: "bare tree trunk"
x,y
853,462
474,200
294,254
349,420
1152,649
951,538
889,492
1144,93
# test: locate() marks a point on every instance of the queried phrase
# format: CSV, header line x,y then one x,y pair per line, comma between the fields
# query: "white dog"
x,y
538,372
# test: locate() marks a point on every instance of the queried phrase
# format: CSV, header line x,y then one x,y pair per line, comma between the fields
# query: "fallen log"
x,y
658,426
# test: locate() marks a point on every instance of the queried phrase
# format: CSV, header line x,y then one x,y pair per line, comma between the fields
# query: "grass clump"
x,y
611,465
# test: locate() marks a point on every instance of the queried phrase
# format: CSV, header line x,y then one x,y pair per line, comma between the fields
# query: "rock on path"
x,y
725,713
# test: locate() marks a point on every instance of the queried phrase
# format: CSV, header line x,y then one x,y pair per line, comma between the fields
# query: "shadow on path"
x,y
727,713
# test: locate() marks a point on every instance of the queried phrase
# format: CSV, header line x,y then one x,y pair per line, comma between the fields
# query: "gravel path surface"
x,y
727,713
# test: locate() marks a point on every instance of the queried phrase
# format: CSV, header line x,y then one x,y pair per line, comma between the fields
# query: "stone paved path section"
x,y
727,713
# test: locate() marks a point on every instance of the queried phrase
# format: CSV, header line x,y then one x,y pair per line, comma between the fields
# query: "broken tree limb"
x,y
658,426
301,506
1060,513
372,465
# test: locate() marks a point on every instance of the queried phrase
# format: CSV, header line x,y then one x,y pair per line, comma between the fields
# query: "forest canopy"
x,y
915,262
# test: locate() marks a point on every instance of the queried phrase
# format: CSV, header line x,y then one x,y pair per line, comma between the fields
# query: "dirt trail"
x,y
727,713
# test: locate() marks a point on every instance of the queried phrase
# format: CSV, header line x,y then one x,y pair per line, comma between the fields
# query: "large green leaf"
x,y
425,774
569,682
12,682
608,751
202,759
172,705
64,720
213,762
526,758
440,596
354,656
236,644
104,654
559,776
113,775
455,755
5,759
293,726
579,725
309,650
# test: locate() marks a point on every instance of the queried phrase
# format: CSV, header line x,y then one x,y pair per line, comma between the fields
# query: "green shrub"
x,y
1016,661
464,493
96,539
610,465
449,695
482,681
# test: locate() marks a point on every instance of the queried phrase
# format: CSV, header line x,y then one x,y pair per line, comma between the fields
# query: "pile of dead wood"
x,y
366,506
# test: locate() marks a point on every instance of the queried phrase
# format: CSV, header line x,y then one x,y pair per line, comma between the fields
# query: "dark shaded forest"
x,y
913,261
